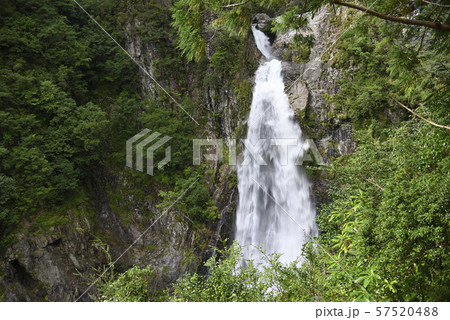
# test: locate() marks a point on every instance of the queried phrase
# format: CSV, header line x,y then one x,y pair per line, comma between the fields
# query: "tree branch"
x,y
436,4
432,94
236,4
375,184
418,115
429,24
217,27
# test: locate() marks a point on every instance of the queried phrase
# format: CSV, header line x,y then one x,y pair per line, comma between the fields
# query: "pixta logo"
x,y
142,141
254,151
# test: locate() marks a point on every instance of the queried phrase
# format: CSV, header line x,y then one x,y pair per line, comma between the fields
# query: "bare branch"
x,y
375,184
418,115
217,27
429,24
436,4
236,4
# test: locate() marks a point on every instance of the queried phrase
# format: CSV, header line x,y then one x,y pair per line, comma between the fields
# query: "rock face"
x,y
298,95
262,21
43,266
308,82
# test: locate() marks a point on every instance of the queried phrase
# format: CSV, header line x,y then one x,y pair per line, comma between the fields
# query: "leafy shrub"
x,y
134,285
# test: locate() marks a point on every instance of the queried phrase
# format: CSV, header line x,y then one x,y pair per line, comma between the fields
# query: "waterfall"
x,y
275,210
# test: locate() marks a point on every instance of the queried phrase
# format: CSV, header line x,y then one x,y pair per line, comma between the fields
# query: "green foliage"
x,y
134,285
303,45
192,17
300,48
228,65
402,225
389,223
58,78
291,19
137,284
196,202
223,59
69,101
380,58
226,281
7,216
189,19
154,28
316,279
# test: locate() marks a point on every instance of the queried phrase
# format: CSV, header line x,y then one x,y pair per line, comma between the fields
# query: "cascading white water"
x,y
275,211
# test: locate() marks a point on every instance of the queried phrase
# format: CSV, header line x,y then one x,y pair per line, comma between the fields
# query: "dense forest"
x,y
70,97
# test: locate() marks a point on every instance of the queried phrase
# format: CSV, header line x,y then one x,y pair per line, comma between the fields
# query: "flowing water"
x,y
275,210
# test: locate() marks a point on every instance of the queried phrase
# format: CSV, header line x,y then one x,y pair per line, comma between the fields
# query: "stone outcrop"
x,y
262,22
